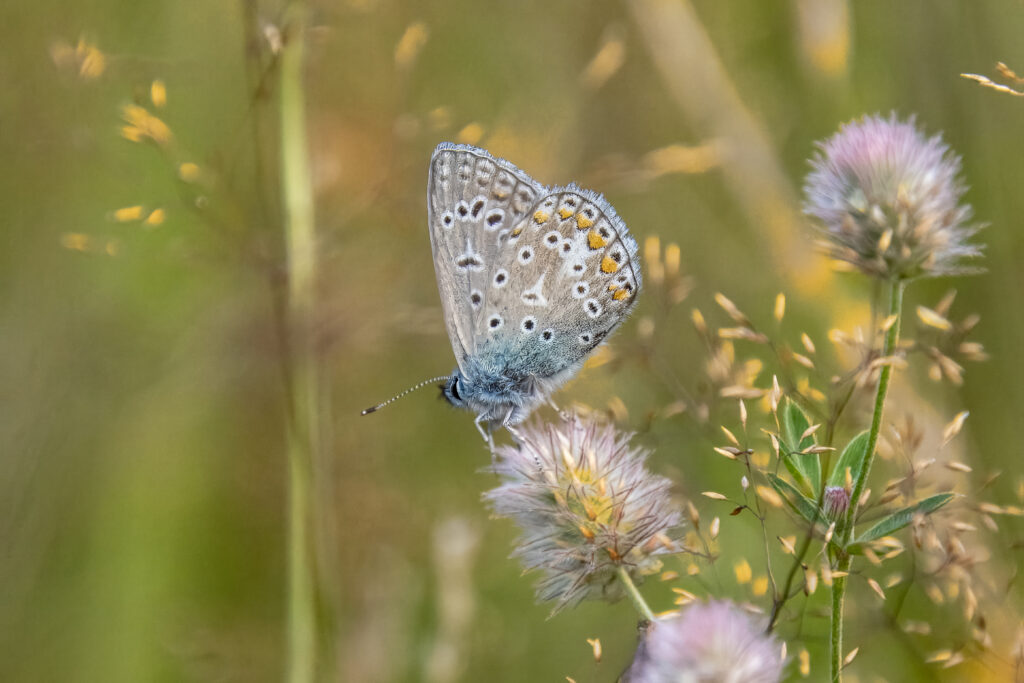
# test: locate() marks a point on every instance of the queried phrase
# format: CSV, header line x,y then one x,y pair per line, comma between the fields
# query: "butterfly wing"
x,y
566,276
472,199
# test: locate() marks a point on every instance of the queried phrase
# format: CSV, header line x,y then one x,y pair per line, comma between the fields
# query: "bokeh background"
x,y
142,434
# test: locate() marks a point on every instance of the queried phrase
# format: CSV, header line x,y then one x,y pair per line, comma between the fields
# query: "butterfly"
x,y
532,279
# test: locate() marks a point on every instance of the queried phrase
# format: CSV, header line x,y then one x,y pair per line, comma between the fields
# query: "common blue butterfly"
x,y
532,279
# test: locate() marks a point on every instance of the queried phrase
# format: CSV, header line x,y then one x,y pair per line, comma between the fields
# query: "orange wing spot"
x,y
608,265
613,286
621,294
541,217
594,240
500,194
565,212
517,232
583,222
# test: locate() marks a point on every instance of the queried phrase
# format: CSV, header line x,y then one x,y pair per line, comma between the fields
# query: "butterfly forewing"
x,y
473,202
565,277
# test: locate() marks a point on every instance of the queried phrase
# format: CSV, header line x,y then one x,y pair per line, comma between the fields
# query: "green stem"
x,y
303,428
891,337
838,600
798,560
638,600
845,560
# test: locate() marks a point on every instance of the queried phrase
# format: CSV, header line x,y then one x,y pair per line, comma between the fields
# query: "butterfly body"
x,y
531,278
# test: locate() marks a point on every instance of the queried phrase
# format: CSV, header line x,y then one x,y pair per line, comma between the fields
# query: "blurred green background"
x,y
142,436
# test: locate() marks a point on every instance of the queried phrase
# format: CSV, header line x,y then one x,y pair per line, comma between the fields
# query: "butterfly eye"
x,y
454,389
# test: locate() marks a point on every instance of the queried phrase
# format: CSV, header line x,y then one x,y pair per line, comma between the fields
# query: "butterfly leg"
x,y
564,414
512,429
485,433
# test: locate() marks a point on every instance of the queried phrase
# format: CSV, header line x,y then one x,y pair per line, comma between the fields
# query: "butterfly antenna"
x,y
422,384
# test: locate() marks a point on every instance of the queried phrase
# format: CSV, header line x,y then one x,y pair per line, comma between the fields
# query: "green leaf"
x,y
902,518
805,467
801,477
800,503
852,457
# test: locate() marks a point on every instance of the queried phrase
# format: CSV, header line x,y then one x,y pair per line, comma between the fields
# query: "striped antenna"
x,y
422,384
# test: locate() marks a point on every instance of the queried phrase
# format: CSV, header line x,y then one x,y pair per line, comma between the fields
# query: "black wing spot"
x,y
546,335
469,261
478,206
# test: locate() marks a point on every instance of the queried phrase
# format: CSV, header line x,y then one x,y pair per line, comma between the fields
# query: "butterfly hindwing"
x,y
564,277
472,198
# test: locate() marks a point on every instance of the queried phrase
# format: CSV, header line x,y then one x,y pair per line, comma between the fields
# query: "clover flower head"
x,y
586,506
716,642
835,503
887,199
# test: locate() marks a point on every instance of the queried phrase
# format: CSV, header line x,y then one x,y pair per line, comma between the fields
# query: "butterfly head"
x,y
454,390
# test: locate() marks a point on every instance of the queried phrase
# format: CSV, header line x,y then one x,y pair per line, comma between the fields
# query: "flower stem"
x,y
836,640
303,427
845,560
638,600
891,337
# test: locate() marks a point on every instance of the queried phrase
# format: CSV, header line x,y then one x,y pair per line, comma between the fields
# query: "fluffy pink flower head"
x,y
586,506
715,642
888,200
